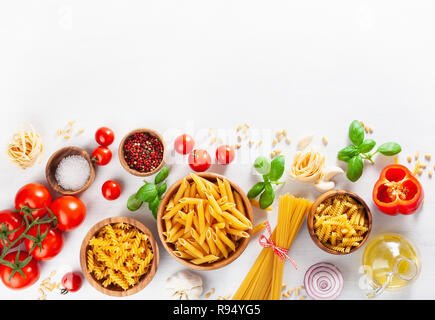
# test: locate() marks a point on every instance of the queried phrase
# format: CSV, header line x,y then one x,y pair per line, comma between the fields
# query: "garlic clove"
x,y
324,186
330,172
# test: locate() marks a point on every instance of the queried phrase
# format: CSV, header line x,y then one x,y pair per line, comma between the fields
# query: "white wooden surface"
x,y
308,66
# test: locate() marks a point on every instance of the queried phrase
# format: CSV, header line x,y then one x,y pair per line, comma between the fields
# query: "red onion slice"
x,y
323,281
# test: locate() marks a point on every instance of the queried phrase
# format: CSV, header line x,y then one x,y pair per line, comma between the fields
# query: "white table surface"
x,y
186,66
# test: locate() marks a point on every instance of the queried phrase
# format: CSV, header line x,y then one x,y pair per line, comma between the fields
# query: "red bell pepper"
x,y
398,191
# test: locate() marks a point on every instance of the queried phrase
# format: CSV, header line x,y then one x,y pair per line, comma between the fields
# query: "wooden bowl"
x,y
327,195
242,244
112,290
122,157
56,158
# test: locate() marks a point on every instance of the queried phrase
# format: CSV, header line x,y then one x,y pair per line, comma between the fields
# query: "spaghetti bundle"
x,y
25,147
265,277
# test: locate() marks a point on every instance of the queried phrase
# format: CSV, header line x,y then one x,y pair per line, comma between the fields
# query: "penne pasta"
x,y
204,221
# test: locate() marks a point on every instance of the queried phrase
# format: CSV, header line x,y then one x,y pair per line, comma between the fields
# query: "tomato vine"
x,y
28,221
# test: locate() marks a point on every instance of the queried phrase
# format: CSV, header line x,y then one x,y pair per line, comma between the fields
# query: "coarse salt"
x,y
73,172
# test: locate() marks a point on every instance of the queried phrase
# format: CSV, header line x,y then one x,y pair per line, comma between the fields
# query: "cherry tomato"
x,y
102,156
51,245
184,144
104,136
199,160
111,190
69,211
30,270
12,221
225,154
33,196
72,281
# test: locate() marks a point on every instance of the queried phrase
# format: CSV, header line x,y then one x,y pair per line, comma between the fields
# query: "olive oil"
x,y
391,261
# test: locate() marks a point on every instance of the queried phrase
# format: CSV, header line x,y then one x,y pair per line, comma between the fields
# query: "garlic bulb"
x,y
184,285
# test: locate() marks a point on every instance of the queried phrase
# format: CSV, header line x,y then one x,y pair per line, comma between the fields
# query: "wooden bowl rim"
x,y
243,242
50,171
95,283
122,158
327,195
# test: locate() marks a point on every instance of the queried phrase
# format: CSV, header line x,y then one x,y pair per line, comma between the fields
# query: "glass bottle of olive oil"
x,y
390,262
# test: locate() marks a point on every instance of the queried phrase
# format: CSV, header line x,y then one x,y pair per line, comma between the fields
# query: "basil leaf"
x,y
133,203
255,190
367,145
277,168
267,197
154,206
162,189
348,153
147,193
262,165
162,175
356,132
389,149
355,168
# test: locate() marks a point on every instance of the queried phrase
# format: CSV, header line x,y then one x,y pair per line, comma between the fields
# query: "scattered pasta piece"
x,y
305,142
409,159
209,293
259,227
325,141
256,204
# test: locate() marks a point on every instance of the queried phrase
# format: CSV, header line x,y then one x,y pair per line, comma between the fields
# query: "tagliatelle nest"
x,y
25,147
307,166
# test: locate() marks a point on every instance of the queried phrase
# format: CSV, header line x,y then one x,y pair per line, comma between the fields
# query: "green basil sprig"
x,y
150,193
271,171
359,151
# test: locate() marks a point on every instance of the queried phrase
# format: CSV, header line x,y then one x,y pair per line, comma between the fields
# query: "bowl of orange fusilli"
x,y
119,256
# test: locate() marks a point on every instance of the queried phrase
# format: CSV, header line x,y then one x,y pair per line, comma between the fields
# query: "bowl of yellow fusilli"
x,y
339,222
119,256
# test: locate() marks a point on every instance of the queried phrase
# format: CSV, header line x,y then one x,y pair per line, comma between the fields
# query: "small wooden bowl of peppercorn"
x,y
142,152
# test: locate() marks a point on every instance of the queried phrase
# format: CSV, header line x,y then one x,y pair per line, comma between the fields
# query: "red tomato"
x,y
33,196
199,160
111,190
69,211
102,156
225,154
104,136
51,245
30,271
184,144
10,221
72,281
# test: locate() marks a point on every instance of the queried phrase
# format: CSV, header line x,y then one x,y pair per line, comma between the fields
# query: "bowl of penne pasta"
x,y
339,222
119,256
205,221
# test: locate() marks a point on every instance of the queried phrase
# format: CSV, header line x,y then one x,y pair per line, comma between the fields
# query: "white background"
x,y
308,66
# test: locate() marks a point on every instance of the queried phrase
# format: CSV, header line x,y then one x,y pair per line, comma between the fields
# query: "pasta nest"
x,y
308,166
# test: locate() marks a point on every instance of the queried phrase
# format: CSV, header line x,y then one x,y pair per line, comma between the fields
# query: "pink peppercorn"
x,y
143,152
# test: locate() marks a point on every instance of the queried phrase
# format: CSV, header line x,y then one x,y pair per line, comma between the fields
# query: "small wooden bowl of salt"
x,y
70,171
